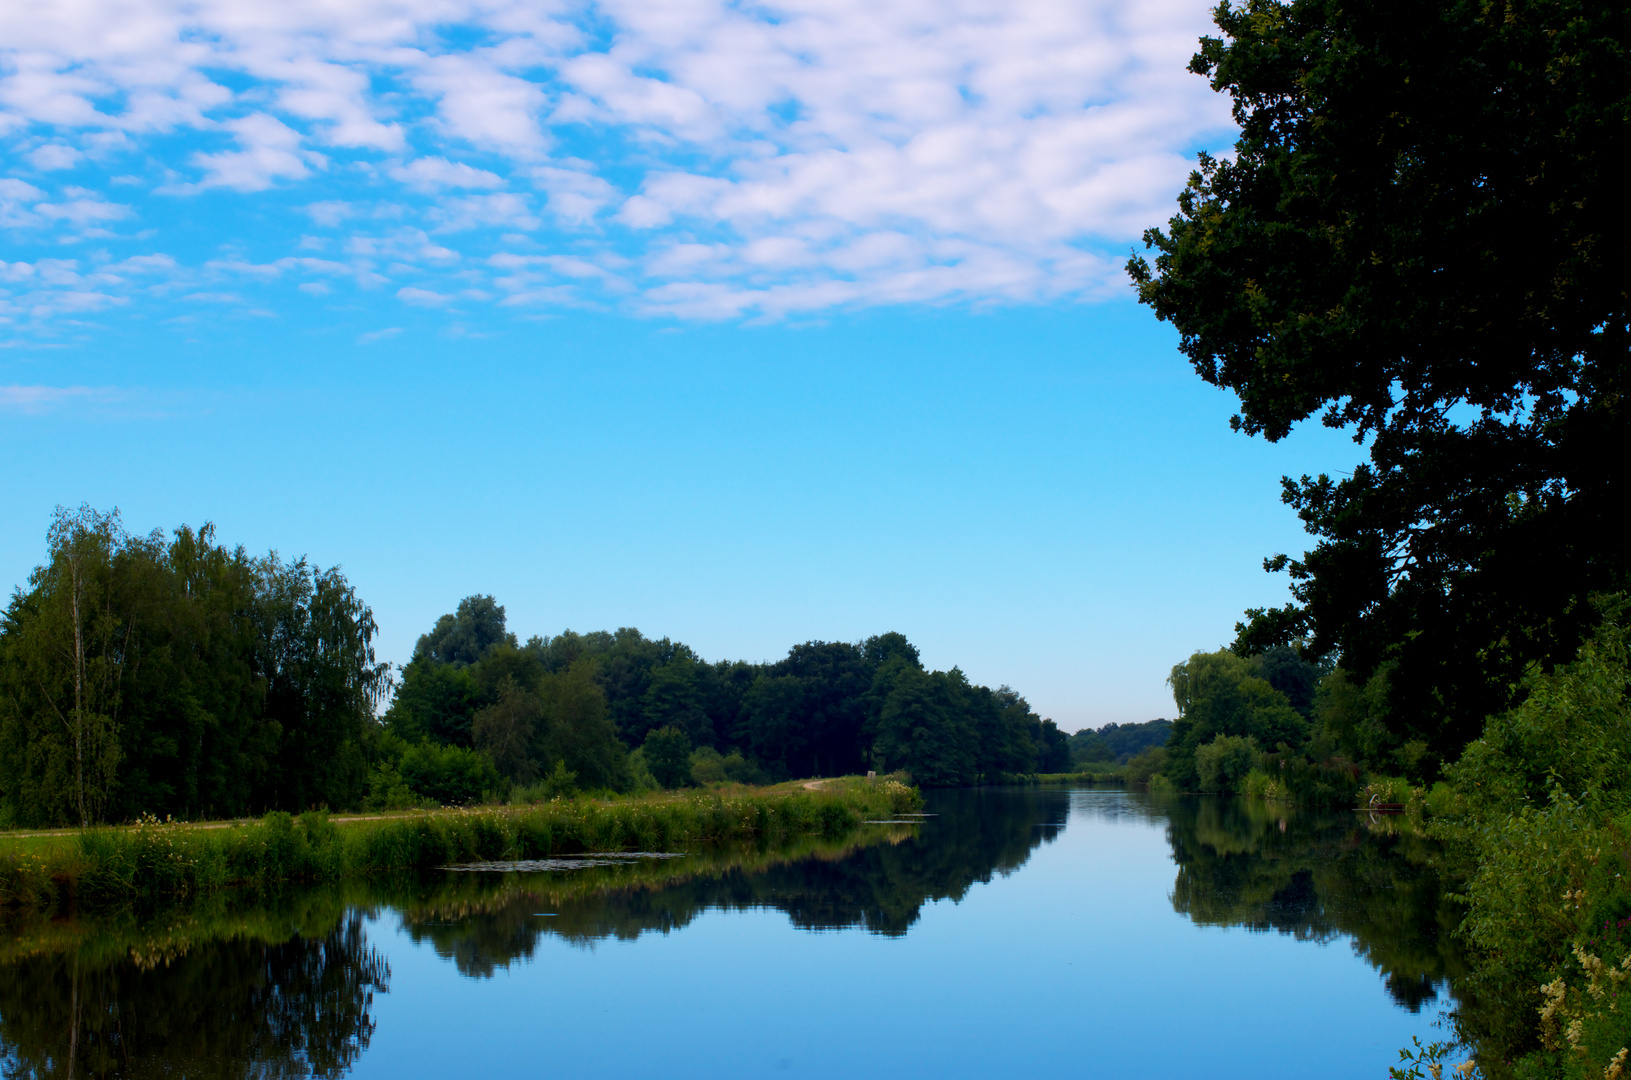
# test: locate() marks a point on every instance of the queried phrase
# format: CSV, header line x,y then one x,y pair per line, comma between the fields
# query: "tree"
x,y
504,732
1221,694
323,683
673,698
1419,239
772,720
464,637
435,701
183,678
925,728
67,647
577,731
668,753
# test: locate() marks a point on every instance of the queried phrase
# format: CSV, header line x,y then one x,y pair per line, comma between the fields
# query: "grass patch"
x,y
165,860
1110,773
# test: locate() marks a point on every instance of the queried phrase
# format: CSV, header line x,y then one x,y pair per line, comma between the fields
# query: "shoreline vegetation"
x,y
178,677
273,914
152,860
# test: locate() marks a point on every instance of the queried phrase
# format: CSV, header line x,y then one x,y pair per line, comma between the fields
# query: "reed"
x,y
160,859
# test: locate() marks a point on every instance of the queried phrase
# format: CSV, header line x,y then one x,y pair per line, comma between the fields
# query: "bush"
x,y
1146,765
707,766
449,775
1540,808
740,770
1221,765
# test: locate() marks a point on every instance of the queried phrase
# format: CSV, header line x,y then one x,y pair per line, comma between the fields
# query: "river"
x,y
1016,932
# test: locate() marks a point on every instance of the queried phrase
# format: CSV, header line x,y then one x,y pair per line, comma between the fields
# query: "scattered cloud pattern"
x,y
698,159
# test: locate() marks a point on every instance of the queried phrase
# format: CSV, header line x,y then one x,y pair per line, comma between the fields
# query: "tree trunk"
x,y
76,589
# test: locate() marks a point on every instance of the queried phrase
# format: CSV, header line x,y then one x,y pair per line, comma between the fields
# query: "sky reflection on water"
x,y
1019,933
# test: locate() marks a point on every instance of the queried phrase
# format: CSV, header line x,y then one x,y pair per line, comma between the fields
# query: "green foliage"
x,y
1540,811
562,783
448,775
1221,766
668,756
1088,747
1118,742
169,859
180,678
818,712
1430,1057
1145,766
435,701
466,636
925,729
1220,693
1412,241
707,766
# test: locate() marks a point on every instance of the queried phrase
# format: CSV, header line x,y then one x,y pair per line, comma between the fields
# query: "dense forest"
x,y
146,675
1415,240
1117,742
567,709
178,677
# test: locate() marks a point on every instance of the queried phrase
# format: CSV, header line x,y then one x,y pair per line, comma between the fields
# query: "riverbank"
x,y
153,859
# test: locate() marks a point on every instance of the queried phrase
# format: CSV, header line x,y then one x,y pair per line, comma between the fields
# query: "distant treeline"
x,y
177,676
1117,742
574,704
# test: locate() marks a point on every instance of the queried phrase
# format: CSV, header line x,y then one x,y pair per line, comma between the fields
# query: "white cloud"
x,y
330,212
575,196
421,297
145,264
271,152
40,399
505,210
15,195
744,159
85,210
53,156
433,173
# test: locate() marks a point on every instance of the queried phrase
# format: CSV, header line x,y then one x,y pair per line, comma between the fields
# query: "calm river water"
x,y
1023,933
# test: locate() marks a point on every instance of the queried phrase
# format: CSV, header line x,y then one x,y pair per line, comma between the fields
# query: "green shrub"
x,y
1145,765
707,766
1539,808
740,770
448,775
1221,765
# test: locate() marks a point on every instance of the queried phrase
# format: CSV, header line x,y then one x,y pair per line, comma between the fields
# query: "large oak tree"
x,y
1421,238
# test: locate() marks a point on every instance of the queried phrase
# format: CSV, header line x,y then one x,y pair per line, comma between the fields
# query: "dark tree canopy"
x,y
465,636
828,708
139,675
1420,239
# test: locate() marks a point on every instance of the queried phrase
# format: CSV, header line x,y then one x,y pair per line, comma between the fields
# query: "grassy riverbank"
x,y
155,859
1099,772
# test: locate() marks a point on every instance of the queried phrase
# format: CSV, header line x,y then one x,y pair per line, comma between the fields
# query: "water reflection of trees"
x,y
194,1005
878,887
1318,877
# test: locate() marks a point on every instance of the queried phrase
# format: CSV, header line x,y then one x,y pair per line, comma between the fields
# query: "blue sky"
x,y
742,325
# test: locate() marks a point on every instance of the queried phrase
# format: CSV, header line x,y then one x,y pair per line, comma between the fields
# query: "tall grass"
x,y
155,859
